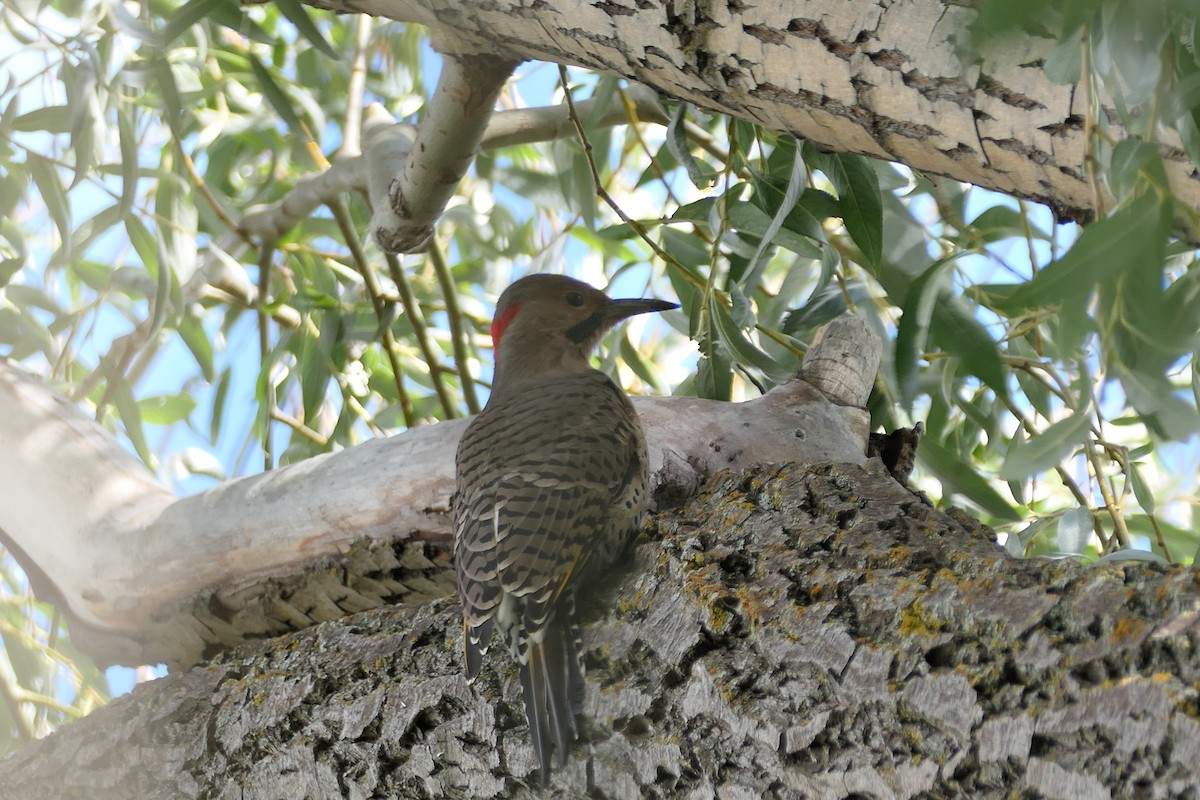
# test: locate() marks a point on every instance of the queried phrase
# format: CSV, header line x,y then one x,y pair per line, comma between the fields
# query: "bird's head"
x,y
551,323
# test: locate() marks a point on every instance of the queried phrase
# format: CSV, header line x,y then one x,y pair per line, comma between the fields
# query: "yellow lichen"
x,y
913,621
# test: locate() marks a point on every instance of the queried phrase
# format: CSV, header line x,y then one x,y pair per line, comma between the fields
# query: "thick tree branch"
x,y
793,632
144,578
880,79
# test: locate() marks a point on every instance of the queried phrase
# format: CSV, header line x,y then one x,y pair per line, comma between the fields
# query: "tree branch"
x,y
809,632
448,135
881,80
144,579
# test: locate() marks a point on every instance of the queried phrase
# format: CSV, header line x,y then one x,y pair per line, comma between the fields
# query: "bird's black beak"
x,y
617,310
613,312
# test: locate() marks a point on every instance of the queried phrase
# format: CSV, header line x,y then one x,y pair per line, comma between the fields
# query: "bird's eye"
x,y
574,299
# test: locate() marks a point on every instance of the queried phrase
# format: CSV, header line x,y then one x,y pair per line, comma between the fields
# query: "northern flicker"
x,y
551,486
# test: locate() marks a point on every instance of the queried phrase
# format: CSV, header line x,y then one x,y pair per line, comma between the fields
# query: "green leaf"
x,y
298,16
1065,62
16,250
315,357
129,157
1074,531
964,479
741,348
1141,490
959,333
714,371
49,119
1001,222
164,79
144,243
701,178
583,189
54,196
275,94
1046,450
1130,237
686,248
913,329
131,416
823,306
645,370
752,219
201,347
230,15
166,409
220,395
1132,162
1162,410
1129,554
795,186
186,16
861,204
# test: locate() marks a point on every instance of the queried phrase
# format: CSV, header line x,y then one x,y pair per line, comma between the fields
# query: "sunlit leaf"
x,y
54,196
699,174
165,409
275,94
1046,450
1074,530
1129,237
298,16
131,416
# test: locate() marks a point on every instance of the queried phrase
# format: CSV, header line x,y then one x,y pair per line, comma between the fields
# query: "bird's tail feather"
x,y
552,682
475,646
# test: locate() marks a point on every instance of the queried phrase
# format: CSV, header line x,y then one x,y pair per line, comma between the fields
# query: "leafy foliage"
x,y
1052,365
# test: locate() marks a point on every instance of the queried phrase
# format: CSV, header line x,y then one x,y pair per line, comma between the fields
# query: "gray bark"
x,y
883,79
790,632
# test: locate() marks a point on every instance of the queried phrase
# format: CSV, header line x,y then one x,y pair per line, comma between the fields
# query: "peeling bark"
x,y
793,631
883,79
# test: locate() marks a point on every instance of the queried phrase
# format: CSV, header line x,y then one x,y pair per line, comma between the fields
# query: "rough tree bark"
x,y
883,79
807,632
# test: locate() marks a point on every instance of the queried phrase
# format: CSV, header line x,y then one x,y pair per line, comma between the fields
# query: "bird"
x,y
550,488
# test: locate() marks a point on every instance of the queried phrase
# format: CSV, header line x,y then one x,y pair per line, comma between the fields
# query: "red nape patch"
x,y
500,323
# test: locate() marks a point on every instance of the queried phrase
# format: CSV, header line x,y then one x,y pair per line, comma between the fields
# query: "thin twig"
x,y
341,215
299,427
356,89
14,712
1089,125
265,257
357,407
421,333
459,339
1120,531
603,194
206,193
1063,476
